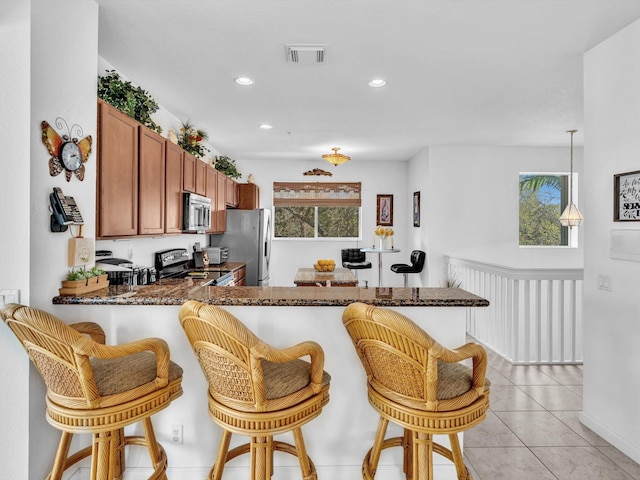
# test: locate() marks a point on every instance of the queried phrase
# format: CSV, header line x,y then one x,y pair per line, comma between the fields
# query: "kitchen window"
x,y
317,210
543,197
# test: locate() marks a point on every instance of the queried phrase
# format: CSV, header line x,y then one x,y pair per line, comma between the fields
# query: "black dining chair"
x,y
417,264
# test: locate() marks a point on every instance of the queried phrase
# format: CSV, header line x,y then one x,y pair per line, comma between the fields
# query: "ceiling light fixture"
x,y
377,82
244,81
571,217
265,126
336,158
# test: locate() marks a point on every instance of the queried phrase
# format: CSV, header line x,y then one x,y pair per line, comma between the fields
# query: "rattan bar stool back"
x,y
98,389
415,382
255,389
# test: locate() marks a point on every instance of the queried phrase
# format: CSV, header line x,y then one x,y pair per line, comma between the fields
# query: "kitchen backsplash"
x,y
141,250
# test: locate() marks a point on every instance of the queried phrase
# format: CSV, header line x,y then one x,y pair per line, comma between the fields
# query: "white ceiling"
x,y
459,72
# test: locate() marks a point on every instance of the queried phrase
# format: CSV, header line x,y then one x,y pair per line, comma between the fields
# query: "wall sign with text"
x,y
626,197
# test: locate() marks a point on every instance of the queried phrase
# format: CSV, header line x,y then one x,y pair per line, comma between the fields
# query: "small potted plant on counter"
x,y
82,281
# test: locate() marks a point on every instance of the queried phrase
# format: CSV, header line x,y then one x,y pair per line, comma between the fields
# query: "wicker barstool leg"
x,y
103,456
407,448
261,458
458,460
152,446
221,459
303,458
377,445
59,463
422,456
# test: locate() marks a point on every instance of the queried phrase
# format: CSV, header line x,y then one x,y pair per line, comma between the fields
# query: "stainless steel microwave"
x,y
196,213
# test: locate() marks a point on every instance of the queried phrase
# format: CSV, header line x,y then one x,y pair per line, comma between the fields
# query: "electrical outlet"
x,y
604,282
176,434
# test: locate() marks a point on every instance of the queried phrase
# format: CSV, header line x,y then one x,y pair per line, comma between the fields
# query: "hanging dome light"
x,y
571,217
336,158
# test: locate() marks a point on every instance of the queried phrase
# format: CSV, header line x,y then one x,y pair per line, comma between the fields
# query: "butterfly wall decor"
x,y
67,153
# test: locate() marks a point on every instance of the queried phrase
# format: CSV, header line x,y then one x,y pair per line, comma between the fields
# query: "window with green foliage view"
x,y
543,197
311,209
316,222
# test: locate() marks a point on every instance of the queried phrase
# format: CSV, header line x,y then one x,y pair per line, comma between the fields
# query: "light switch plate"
x,y
604,282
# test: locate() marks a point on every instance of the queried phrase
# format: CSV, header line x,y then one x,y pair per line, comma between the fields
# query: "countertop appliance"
x,y
217,255
121,271
174,263
248,237
196,213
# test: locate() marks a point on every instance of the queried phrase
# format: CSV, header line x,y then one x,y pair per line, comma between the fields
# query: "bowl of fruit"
x,y
324,266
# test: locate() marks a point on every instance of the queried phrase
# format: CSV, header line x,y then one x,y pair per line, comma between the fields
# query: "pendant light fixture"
x,y
571,217
336,158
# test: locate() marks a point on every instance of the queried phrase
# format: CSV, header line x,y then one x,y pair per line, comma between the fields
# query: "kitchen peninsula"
x,y
338,439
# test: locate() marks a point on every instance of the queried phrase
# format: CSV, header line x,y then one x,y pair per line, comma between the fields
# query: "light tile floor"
x,y
532,431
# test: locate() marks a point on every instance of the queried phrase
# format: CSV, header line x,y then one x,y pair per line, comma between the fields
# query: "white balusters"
x,y
535,315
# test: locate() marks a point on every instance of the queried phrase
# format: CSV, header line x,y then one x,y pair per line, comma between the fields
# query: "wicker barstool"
x,y
416,383
254,389
97,389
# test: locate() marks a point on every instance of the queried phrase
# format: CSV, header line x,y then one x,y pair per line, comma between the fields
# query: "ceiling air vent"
x,y
306,53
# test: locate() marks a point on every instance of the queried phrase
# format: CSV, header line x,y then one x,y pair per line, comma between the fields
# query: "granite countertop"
x,y
178,291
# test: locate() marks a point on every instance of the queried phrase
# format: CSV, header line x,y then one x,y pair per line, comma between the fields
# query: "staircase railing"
x,y
535,314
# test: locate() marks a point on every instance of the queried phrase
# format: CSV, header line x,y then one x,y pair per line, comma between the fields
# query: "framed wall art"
x,y
626,197
416,209
384,209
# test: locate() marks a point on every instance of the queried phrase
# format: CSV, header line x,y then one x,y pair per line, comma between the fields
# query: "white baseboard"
x,y
621,444
334,472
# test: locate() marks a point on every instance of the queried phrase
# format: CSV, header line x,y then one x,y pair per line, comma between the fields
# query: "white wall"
x,y
470,205
612,319
376,177
14,228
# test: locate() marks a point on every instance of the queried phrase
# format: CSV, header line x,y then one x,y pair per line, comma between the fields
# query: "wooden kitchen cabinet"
x,y
248,196
117,173
201,177
211,192
239,275
151,184
189,172
231,194
173,188
221,204
194,174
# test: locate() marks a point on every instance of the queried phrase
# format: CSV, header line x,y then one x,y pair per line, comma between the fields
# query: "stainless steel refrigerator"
x,y
248,237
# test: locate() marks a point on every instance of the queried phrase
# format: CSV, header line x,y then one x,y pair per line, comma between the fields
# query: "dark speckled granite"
x,y
176,292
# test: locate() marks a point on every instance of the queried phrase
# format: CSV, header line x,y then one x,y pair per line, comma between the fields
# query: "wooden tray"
x,y
83,289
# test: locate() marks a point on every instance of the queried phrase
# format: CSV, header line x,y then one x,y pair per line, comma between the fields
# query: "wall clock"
x,y
67,153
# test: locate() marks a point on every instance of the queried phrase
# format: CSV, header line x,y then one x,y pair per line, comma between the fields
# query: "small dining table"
x,y
379,251
340,277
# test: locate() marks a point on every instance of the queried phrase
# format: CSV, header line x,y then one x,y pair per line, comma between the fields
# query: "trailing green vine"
x,y
227,166
131,100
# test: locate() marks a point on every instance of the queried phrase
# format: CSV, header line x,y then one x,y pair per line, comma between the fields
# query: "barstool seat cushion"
x,y
455,379
404,268
356,265
117,375
283,379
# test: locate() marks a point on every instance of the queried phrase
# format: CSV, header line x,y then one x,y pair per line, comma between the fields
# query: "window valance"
x,y
316,194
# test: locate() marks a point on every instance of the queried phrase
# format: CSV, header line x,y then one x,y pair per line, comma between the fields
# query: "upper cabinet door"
x,y
232,192
117,195
189,172
173,188
212,194
151,183
201,177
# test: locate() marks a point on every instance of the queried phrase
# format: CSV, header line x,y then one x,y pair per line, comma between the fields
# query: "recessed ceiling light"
x,y
244,81
377,82
265,126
